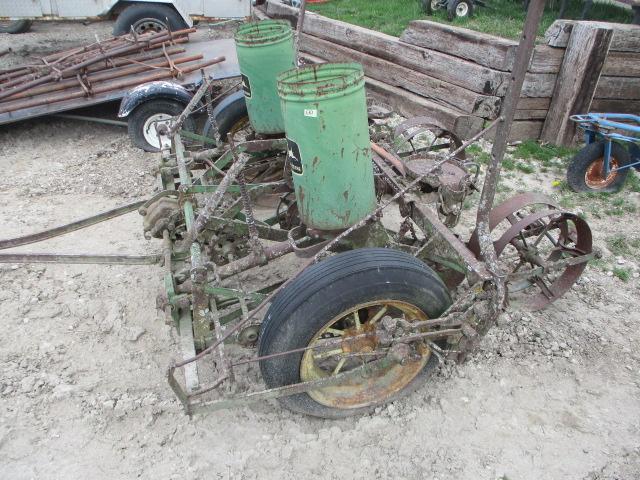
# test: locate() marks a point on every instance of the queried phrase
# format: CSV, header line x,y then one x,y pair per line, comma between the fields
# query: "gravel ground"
x,y
83,352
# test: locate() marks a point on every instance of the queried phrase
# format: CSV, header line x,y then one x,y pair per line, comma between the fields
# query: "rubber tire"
x,y
226,114
585,157
18,26
451,9
133,13
330,287
137,119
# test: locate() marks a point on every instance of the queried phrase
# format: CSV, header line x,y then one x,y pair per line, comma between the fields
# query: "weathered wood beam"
x,y
604,105
626,37
403,77
618,87
622,64
530,114
577,80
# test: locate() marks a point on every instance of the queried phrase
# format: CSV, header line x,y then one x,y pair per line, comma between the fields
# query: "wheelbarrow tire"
x,y
326,290
137,121
17,26
465,5
585,161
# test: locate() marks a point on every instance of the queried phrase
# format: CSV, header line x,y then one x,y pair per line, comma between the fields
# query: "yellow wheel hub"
x,y
357,329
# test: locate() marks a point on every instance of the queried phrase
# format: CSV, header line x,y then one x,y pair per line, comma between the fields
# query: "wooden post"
x,y
584,59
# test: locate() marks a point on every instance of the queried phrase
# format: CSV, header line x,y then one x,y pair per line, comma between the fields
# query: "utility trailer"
x,y
142,15
148,98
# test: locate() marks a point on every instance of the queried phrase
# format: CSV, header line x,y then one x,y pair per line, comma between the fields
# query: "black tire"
x,y
227,114
143,16
585,159
452,9
16,26
138,118
329,288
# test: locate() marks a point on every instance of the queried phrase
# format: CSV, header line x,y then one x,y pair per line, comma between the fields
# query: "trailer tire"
x,y
140,121
144,17
358,280
17,26
583,175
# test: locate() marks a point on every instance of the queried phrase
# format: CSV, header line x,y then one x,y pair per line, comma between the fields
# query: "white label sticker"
x,y
310,112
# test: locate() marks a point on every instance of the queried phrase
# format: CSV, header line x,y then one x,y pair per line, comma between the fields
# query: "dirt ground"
x,y
83,352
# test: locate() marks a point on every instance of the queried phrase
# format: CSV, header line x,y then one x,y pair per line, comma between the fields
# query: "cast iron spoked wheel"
x,y
336,300
585,170
419,135
532,232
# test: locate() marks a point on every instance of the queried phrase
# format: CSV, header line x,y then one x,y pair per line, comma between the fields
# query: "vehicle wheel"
x,y
16,26
145,118
459,9
343,296
144,17
585,170
230,115
430,6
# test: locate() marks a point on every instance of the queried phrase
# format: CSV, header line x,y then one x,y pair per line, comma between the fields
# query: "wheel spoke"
x,y
356,320
544,287
335,331
378,315
327,354
339,366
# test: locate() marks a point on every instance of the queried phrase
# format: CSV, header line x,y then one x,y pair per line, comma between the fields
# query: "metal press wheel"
x,y
343,300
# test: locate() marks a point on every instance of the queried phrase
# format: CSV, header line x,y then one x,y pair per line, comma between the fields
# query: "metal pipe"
x,y
104,88
101,76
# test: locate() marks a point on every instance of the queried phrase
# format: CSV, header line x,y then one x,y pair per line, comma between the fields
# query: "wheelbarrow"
x,y
612,147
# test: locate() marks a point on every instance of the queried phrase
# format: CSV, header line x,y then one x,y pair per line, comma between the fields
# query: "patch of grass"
x,y
619,206
633,181
500,17
532,149
623,274
525,167
623,246
508,164
478,154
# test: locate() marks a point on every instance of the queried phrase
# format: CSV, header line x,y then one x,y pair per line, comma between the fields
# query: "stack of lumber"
x,y
460,76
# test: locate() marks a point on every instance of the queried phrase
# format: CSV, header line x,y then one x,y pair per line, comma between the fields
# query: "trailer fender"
x,y
151,91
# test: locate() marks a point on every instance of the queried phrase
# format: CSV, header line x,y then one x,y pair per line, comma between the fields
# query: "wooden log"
x,y
577,80
487,50
613,105
618,87
626,37
622,64
399,76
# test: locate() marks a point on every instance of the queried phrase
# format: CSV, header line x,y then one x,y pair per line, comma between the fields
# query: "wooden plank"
x,y
626,37
399,76
488,50
522,130
577,80
546,59
531,114
618,87
614,105
622,64
534,103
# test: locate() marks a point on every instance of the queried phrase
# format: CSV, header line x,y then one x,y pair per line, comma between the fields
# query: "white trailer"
x,y
142,15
